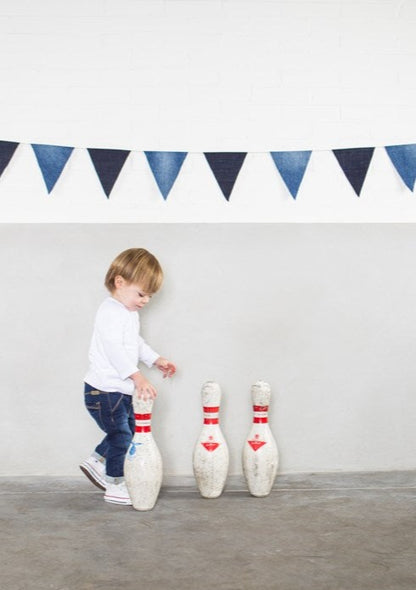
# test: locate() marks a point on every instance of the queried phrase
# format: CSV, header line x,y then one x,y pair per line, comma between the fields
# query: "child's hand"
x,y
168,369
144,388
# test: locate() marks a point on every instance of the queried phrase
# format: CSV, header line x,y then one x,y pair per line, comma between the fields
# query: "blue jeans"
x,y
114,414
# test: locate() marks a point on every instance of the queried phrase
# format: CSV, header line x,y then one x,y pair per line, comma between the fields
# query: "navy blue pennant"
x,y
355,163
404,160
7,149
165,167
292,167
108,165
52,160
225,167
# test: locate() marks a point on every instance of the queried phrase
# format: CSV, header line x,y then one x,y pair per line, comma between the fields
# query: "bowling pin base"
x,y
143,494
146,498
208,495
260,494
211,475
259,484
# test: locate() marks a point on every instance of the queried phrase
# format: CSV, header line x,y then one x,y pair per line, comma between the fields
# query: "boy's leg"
x,y
94,466
114,415
119,435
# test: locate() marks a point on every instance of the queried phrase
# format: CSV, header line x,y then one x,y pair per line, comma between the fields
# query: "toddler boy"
x,y
113,375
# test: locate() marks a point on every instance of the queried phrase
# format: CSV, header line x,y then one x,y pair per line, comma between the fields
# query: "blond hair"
x,y
136,265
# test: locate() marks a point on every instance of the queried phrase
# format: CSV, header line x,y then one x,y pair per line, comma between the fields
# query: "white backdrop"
x,y
326,313
207,75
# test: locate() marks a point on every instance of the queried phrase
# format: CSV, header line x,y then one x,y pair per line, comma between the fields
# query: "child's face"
x,y
130,294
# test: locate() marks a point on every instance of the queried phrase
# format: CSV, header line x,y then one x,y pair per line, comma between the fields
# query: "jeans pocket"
x,y
94,408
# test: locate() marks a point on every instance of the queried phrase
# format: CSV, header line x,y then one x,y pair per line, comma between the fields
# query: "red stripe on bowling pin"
x,y
211,409
209,417
143,422
260,414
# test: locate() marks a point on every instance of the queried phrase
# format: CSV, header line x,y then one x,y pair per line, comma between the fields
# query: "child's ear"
x,y
118,281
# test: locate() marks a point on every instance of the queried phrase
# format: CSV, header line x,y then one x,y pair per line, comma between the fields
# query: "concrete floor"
x,y
316,532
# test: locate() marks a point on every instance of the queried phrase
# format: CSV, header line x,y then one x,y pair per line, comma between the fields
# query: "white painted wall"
x,y
200,75
324,312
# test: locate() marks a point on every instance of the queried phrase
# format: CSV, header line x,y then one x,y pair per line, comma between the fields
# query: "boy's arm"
x,y
146,354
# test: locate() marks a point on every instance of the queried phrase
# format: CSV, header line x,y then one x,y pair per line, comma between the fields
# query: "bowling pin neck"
x,y
261,393
211,414
141,406
211,394
143,422
260,414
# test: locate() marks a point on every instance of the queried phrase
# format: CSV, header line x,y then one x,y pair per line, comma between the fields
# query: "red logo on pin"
x,y
256,444
210,446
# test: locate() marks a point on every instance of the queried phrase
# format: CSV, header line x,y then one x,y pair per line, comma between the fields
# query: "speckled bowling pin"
x,y
143,462
210,459
260,454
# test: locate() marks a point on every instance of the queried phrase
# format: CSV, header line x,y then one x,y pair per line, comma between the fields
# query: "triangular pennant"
x,y
225,167
292,167
108,165
7,149
355,163
165,167
404,160
51,160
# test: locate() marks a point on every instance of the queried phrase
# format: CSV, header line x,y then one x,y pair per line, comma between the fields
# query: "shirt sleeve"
x,y
146,354
109,327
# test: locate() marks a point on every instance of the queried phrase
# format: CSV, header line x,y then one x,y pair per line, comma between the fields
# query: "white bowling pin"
x,y
210,459
260,454
143,462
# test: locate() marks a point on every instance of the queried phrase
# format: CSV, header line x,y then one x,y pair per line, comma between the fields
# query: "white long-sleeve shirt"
x,y
116,348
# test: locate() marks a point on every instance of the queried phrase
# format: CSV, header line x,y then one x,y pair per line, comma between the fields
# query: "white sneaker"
x,y
116,493
95,471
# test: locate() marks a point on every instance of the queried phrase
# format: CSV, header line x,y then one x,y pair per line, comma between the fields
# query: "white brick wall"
x,y
208,75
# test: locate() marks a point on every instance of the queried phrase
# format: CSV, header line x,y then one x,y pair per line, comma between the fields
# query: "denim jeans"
x,y
114,414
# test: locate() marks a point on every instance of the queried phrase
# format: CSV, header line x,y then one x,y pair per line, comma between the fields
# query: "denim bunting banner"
x,y
225,167
292,167
404,160
7,149
52,160
108,165
165,167
355,163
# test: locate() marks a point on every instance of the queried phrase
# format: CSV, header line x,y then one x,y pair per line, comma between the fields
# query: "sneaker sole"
x,y
91,476
115,500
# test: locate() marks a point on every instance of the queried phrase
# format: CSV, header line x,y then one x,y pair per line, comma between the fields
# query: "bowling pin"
x,y
143,462
210,459
260,454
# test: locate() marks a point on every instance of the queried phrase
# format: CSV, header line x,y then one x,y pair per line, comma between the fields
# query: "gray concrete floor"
x,y
323,532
